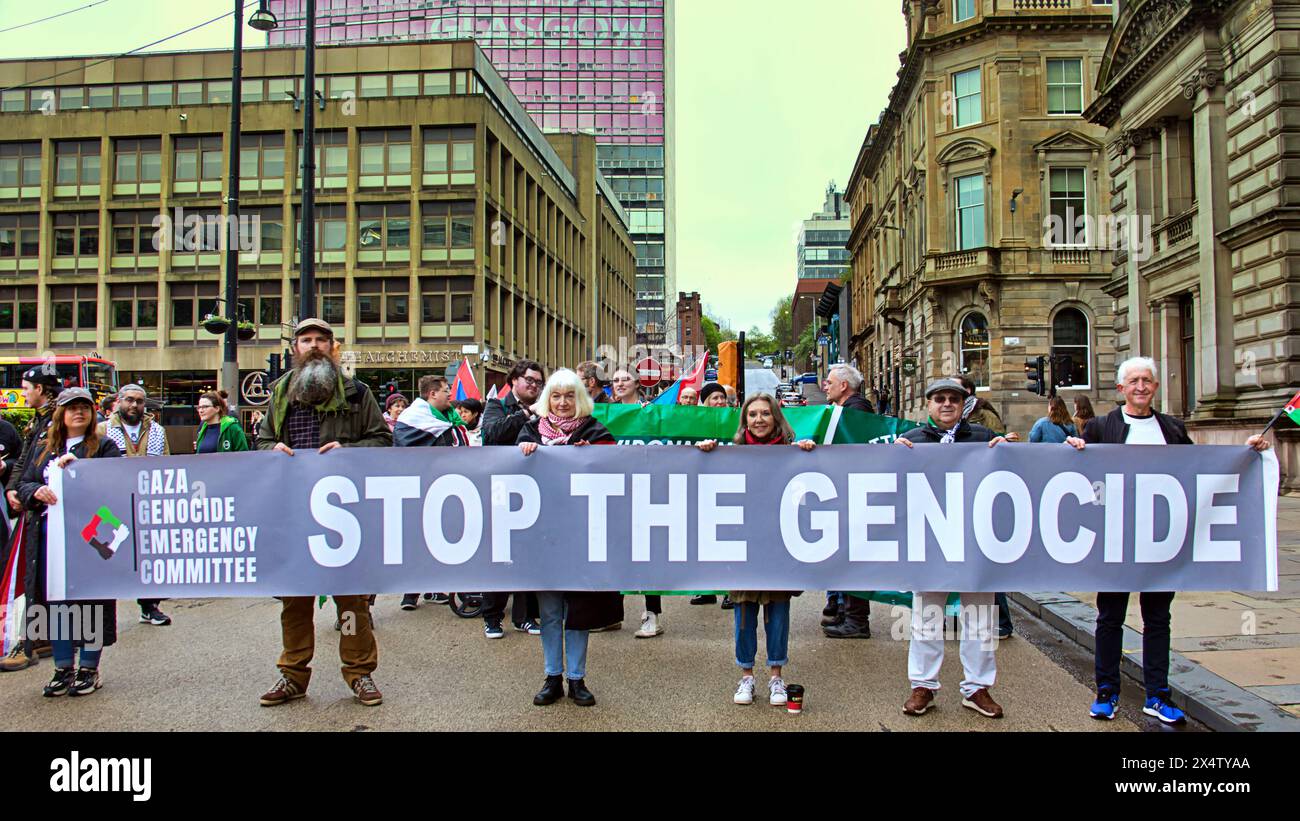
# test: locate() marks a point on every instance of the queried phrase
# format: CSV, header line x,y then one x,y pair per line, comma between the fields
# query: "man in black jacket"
x,y
846,616
945,425
502,421
1137,423
41,386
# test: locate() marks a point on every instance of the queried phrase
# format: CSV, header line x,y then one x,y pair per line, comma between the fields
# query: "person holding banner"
x,y
503,418
947,424
41,386
846,616
761,423
72,435
1137,423
314,406
563,417
628,392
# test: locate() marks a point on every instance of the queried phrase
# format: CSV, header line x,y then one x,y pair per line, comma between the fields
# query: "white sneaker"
x,y
777,689
744,691
649,626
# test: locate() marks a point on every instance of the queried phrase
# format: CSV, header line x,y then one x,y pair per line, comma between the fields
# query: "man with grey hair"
x,y
846,616
136,432
1136,422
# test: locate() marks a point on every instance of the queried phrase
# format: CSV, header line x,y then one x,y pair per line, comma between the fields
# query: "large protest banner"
x,y
858,517
684,424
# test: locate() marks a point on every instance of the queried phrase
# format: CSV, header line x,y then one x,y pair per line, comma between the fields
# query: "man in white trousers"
x,y
945,399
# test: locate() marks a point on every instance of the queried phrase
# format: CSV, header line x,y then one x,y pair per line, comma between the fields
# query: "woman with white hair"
x,y
563,417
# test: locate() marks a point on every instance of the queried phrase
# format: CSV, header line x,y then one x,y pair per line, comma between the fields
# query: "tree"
x,y
758,343
783,324
713,336
807,345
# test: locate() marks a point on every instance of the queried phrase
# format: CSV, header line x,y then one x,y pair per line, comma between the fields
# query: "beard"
x,y
132,418
315,379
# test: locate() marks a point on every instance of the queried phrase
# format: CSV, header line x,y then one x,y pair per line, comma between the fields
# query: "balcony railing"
x,y
971,262
1070,256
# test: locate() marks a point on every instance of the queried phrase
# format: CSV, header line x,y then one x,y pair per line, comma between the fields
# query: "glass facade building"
x,y
823,242
602,67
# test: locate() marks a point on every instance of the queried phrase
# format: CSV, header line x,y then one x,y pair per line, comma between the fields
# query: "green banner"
x,y
684,425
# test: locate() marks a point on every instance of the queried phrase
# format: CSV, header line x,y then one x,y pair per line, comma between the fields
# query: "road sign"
x,y
647,372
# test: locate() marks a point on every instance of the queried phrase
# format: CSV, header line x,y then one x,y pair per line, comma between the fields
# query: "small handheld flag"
x,y
1292,411
465,387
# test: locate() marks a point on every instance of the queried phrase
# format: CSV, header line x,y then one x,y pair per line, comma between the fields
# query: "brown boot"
x,y
18,659
44,649
922,699
981,702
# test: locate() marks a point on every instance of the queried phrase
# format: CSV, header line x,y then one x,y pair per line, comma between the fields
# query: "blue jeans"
x,y
776,628
556,640
63,654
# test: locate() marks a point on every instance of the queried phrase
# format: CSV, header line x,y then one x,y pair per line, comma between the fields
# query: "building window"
x,y
385,158
264,229
137,167
330,238
966,98
13,99
383,302
447,231
190,302
1187,323
76,169
259,302
331,304
1070,346
645,221
342,86
962,10
18,307
447,308
1068,206
970,212
197,165
73,308
448,156
76,241
137,239
383,233
20,244
261,162
1065,86
331,151
973,348
20,171
133,314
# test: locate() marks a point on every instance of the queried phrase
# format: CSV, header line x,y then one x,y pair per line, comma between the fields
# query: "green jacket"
x,y
351,417
984,414
231,438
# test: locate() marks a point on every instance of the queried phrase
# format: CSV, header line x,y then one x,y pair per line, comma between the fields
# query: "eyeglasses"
x,y
535,383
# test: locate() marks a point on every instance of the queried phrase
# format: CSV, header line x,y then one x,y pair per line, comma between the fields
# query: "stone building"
x,y
1200,98
447,223
981,152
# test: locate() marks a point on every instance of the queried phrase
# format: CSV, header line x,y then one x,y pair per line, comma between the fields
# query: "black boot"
x,y
580,694
856,623
551,692
833,612
704,599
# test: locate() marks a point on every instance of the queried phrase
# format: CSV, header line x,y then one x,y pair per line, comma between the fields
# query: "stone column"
x,y
1139,204
1169,354
1216,383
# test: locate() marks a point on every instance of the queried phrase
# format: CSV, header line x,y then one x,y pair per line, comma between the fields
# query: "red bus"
x,y
99,376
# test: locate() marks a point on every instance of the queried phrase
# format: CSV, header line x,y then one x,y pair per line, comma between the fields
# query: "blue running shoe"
x,y
1164,711
1104,707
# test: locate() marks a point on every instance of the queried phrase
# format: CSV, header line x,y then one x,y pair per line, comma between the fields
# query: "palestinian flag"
x,y
13,595
1292,409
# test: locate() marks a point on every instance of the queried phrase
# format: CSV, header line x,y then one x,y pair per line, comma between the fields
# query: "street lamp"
x,y
307,275
262,20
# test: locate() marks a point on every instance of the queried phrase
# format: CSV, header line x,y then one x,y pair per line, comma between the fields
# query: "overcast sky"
x,y
773,101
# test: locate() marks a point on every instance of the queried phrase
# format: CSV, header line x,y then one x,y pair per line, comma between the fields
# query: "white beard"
x,y
315,381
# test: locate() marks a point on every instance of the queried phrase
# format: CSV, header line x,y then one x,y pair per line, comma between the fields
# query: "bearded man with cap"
x,y
136,432
945,400
41,386
315,407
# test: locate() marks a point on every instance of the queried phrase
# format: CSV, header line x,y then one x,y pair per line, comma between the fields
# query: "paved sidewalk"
x,y
1236,654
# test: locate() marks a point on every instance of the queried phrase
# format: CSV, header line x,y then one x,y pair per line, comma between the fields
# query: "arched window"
x,y
973,349
1070,345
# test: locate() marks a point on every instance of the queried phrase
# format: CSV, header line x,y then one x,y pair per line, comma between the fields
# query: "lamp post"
x,y
262,20
307,278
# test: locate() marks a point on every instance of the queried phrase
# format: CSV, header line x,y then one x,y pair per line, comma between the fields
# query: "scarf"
x,y
949,436
774,439
152,441
969,407
556,431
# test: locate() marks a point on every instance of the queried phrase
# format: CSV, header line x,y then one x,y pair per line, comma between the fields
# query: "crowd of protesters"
x,y
317,406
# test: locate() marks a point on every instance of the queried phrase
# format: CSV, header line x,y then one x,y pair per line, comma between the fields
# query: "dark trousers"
x,y
1111,609
524,608
654,604
1004,613
147,604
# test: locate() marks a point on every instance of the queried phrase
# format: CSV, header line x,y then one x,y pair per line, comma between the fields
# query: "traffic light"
x,y
274,366
1034,373
727,372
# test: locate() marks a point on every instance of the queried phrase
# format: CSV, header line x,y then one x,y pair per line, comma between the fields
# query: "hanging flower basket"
x,y
216,324
247,331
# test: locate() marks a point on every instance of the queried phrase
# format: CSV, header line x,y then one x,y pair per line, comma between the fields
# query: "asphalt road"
x,y
437,672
